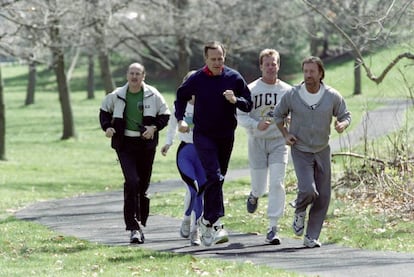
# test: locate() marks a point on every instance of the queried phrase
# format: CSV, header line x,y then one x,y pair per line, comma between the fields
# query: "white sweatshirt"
x,y
264,97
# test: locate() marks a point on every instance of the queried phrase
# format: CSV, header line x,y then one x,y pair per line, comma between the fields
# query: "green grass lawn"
x,y
40,166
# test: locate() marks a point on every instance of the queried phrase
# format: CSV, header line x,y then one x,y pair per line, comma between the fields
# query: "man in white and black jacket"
x,y
132,116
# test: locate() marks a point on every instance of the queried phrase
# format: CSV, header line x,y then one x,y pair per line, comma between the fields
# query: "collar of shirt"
x,y
207,71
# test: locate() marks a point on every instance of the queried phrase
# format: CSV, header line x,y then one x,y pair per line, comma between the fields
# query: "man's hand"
x,y
229,94
341,126
183,127
263,125
164,149
110,132
290,139
149,132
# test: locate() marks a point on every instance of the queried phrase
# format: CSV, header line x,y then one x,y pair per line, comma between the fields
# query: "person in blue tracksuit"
x,y
219,91
191,171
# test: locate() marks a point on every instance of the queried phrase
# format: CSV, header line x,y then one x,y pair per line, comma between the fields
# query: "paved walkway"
x,y
98,218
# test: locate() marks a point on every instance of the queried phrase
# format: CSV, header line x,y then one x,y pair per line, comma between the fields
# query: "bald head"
x,y
135,77
138,66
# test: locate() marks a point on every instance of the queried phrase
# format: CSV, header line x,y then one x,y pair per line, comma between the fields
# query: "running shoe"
x,y
195,237
272,236
206,230
220,235
137,236
185,228
252,202
311,243
299,223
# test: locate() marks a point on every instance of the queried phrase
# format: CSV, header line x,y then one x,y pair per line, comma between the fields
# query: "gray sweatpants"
x,y
313,171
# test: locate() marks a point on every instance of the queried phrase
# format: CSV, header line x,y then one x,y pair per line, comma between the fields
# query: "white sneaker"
x,y
220,235
311,243
299,223
206,230
195,237
185,228
272,236
137,236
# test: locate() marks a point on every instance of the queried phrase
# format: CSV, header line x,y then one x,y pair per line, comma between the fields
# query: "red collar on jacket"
x,y
208,71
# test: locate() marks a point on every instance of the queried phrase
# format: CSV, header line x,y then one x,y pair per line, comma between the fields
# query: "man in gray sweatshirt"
x,y
311,106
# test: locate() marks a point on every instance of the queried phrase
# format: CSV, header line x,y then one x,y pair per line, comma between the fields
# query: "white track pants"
x,y
273,179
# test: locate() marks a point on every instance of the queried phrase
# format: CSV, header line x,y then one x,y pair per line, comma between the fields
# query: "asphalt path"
x,y
99,218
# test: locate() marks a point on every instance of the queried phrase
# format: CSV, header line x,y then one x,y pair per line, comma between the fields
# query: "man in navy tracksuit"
x,y
218,91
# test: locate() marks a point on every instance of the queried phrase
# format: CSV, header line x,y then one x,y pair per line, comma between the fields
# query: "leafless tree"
x,y
2,122
3,49
18,40
244,27
48,25
170,33
99,13
366,25
58,64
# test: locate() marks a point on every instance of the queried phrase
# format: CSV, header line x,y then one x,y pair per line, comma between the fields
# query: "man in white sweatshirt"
x,y
267,150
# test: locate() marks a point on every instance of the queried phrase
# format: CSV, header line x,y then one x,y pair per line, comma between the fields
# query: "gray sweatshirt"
x,y
311,125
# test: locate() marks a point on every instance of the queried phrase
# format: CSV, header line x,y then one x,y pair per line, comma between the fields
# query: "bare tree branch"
x,y
154,54
357,53
358,156
354,155
73,63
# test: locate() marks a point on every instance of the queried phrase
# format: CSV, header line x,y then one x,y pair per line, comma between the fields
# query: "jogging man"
x,y
132,116
219,91
268,153
311,105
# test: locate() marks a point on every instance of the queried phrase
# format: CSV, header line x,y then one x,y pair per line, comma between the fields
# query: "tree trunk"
x,y
180,20
314,43
183,59
357,78
64,96
103,58
31,86
2,122
354,7
63,89
106,76
91,77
